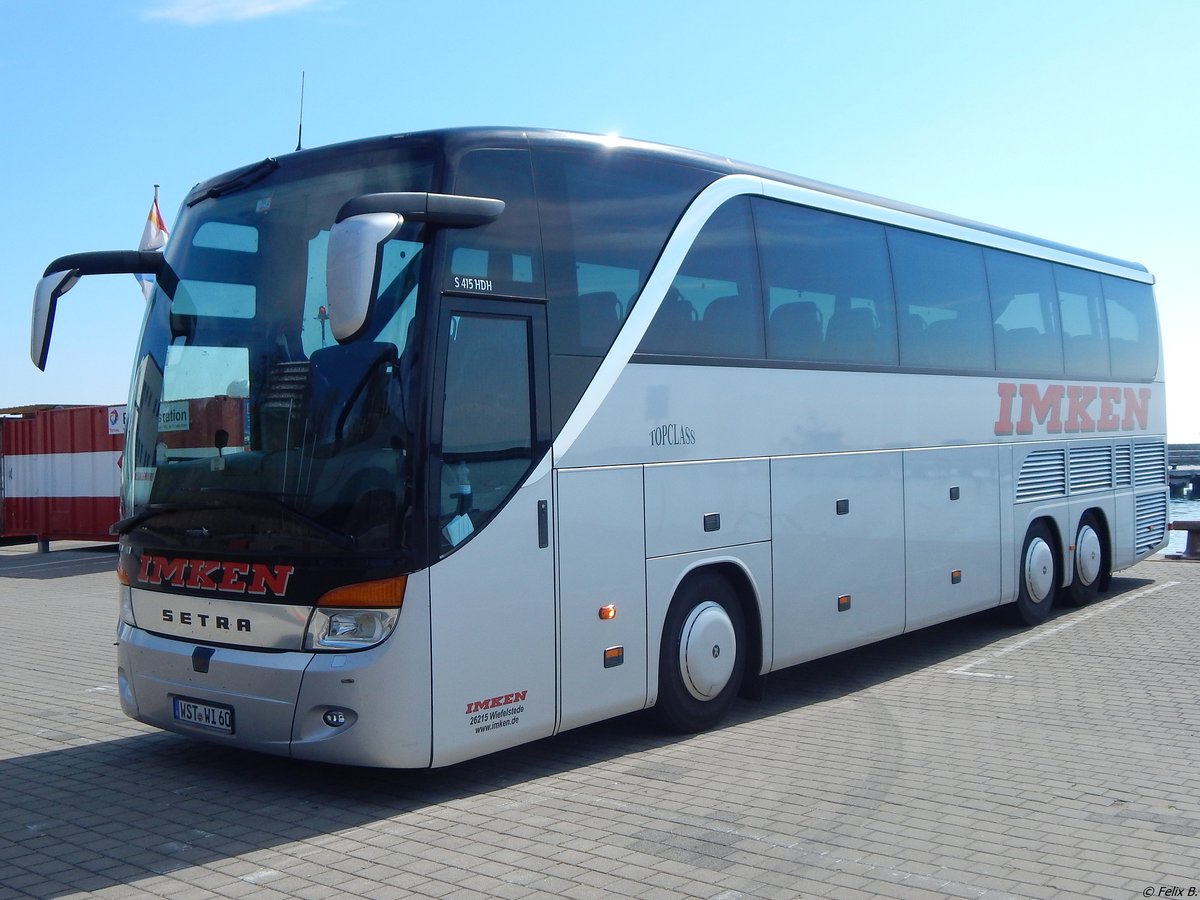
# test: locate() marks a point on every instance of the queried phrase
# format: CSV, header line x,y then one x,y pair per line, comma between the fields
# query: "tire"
x,y
1038,579
703,654
1092,566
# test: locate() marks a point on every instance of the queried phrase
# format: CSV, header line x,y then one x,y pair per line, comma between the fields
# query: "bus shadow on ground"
x,y
59,563
845,673
156,803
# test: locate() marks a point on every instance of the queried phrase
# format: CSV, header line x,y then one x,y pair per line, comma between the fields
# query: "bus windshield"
x,y
252,428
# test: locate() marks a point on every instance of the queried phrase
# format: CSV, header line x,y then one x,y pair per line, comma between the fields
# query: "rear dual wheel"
x,y
1092,566
1039,577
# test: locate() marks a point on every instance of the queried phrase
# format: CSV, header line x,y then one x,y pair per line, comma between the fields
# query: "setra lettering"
x,y
202,620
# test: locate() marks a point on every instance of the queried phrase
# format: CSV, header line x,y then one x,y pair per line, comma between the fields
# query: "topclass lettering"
x,y
672,436
256,579
1071,408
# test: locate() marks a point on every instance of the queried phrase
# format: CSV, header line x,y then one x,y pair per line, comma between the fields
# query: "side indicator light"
x,y
956,576
614,656
843,602
608,611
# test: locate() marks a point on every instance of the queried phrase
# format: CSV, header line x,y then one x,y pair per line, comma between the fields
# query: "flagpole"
x,y
154,237
300,130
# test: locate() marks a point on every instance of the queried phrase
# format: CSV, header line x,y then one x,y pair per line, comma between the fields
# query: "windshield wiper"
x,y
124,526
238,181
334,537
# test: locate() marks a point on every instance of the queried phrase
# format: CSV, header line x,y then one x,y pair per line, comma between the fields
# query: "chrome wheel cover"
x,y
707,650
1039,570
1088,556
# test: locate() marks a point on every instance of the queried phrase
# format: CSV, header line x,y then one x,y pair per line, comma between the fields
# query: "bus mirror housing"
x,y
63,274
352,269
45,301
360,229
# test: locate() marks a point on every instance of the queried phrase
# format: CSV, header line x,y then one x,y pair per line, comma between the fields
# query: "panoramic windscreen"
x,y
252,428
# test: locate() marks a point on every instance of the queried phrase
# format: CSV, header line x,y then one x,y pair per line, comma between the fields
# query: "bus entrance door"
x,y
492,628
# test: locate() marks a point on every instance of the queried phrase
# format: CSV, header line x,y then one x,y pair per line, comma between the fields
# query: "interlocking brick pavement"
x,y
972,759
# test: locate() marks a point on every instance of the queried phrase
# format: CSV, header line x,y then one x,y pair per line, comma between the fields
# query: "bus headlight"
x,y
349,629
356,616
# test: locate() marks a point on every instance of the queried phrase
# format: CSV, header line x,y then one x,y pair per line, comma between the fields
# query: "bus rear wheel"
x,y
702,656
1038,581
1091,561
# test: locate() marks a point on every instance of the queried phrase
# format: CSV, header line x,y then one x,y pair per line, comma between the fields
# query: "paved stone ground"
x,y
972,759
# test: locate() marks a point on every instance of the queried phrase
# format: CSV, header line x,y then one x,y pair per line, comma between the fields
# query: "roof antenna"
x,y
300,130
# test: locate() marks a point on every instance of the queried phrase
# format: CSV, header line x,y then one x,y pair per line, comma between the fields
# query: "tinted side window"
x,y
503,257
713,306
1081,307
942,302
605,219
487,424
1132,328
1025,307
829,291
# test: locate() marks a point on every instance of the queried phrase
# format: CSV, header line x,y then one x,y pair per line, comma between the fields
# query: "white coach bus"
x,y
444,442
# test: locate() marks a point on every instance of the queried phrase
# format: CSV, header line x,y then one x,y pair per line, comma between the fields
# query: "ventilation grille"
x,y
1150,464
1043,476
1151,511
1123,474
1091,469
286,385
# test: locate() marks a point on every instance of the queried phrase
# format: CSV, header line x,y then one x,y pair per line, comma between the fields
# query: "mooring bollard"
x,y
1192,550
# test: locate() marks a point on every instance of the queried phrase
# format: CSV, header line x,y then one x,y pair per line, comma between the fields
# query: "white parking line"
x,y
1062,626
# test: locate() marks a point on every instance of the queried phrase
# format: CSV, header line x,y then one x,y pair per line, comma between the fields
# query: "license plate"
x,y
213,716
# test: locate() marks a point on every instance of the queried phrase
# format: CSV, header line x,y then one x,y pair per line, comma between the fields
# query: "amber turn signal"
x,y
388,592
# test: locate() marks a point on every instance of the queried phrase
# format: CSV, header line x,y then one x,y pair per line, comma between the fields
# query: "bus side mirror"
x,y
361,227
62,274
352,269
45,301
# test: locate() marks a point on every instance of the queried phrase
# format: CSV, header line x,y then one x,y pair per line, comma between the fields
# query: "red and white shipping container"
x,y
61,472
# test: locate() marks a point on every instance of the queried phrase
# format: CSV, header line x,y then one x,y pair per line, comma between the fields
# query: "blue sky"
x,y
1074,121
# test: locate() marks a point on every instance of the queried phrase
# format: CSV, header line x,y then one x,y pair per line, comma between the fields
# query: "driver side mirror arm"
x,y
63,274
360,229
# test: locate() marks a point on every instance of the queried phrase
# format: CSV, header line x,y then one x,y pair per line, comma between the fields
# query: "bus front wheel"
x,y
703,655
1038,582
